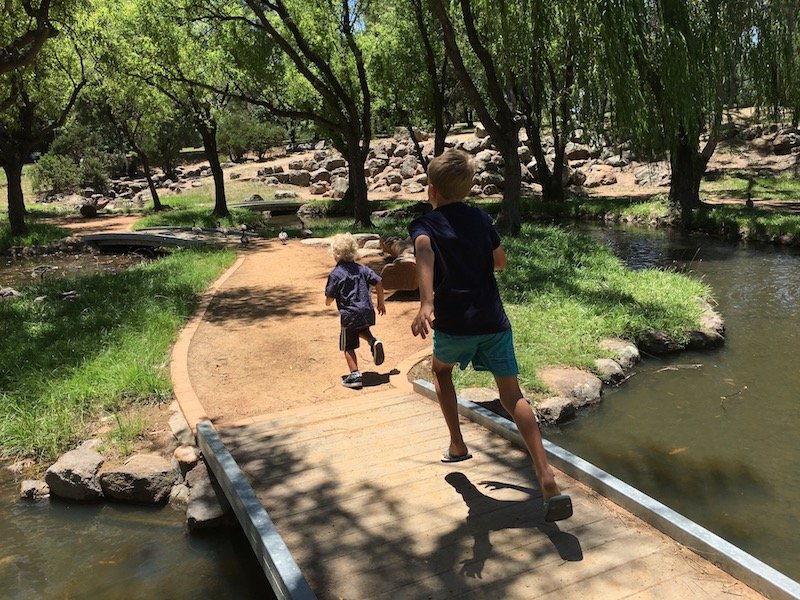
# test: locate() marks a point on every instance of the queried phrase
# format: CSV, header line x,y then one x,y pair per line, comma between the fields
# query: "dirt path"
x,y
268,342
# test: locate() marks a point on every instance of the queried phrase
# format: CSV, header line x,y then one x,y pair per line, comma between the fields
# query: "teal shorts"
x,y
493,352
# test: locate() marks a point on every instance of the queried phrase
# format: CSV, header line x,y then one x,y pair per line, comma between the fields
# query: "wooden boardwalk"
x,y
356,490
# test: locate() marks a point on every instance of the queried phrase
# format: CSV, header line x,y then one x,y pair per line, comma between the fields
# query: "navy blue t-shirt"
x,y
466,300
349,283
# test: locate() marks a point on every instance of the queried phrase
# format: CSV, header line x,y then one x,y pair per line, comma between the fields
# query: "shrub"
x,y
55,173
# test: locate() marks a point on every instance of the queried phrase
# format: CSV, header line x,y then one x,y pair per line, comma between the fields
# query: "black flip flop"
x,y
558,508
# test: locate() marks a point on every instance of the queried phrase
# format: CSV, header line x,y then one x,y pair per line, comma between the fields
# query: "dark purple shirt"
x,y
466,300
349,284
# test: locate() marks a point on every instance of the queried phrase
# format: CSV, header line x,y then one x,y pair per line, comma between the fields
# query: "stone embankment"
x,y
182,479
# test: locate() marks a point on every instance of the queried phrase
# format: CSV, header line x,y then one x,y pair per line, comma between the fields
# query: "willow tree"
x,y
303,60
39,97
553,72
772,57
487,91
669,64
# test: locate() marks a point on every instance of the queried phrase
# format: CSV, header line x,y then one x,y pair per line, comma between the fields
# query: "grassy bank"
x,y
68,361
565,292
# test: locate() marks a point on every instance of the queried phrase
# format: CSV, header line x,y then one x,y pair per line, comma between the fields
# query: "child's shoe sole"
x,y
377,352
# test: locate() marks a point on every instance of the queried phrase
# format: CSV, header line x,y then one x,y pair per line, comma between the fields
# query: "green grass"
x,y
38,234
749,223
65,362
564,293
765,188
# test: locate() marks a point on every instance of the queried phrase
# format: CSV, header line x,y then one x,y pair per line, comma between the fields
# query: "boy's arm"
x,y
425,257
500,259
379,294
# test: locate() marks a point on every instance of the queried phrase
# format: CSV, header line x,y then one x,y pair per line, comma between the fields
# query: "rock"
x,y
711,332
207,506
74,475
185,458
19,467
285,194
652,175
555,409
609,370
401,274
658,342
575,151
179,495
480,131
34,489
471,146
581,387
334,163
295,165
784,142
234,176
315,189
412,187
298,178
7,292
320,175
339,187
254,198
626,353
143,478
180,429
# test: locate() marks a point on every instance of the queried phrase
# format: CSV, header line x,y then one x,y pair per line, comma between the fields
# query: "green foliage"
x,y
55,173
38,234
243,131
73,359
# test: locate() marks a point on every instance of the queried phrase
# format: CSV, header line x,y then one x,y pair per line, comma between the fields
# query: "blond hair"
x,y
451,174
344,247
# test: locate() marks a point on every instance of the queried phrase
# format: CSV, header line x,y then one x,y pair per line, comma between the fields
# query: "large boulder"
x,y
555,409
143,478
580,387
74,475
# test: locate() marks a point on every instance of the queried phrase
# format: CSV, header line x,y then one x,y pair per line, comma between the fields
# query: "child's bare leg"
x,y
517,405
446,393
352,360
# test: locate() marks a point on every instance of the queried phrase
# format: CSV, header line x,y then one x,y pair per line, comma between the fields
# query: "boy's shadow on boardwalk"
x,y
374,379
486,514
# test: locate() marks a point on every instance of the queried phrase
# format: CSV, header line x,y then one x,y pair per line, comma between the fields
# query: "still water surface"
x,y
714,435
66,551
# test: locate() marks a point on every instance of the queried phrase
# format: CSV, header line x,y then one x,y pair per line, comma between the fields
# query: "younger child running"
x,y
457,250
349,284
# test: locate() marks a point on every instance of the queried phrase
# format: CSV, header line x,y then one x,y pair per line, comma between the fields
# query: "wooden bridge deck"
x,y
356,490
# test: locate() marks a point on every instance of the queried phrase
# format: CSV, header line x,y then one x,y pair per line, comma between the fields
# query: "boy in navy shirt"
x,y
458,250
348,284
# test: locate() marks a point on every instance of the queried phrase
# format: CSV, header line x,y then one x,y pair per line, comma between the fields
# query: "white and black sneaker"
x,y
377,352
352,381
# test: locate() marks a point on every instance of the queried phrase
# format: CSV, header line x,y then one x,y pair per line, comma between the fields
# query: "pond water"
x,y
55,550
713,435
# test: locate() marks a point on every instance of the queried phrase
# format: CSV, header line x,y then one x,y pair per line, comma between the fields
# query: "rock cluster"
x,y
84,475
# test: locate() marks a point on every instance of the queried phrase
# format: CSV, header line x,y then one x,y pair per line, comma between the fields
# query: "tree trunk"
x,y
209,135
688,167
357,185
509,218
16,202
157,206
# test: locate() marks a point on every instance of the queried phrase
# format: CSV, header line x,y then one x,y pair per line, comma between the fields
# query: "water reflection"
x,y
717,443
